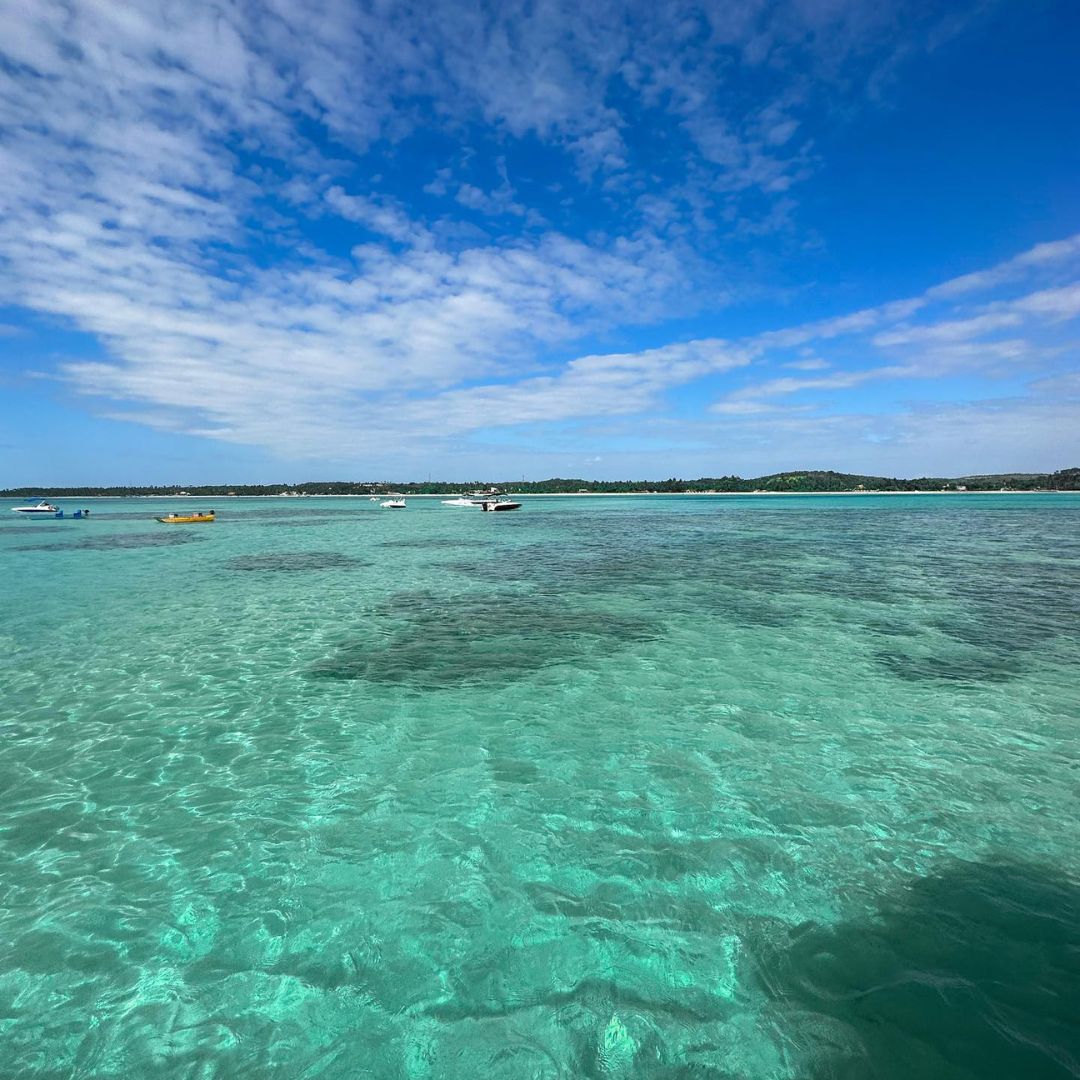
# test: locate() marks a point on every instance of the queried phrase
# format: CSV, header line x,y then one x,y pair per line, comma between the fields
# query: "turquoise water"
x,y
657,787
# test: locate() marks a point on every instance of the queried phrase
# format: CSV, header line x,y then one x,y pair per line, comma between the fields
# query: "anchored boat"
x,y
196,518
41,509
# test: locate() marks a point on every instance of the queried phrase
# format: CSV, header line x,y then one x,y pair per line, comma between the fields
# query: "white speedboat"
x,y
393,504
499,504
42,507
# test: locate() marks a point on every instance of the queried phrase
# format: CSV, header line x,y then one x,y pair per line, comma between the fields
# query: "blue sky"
x,y
284,240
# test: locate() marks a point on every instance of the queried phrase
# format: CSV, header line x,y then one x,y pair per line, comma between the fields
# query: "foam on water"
x,y
688,787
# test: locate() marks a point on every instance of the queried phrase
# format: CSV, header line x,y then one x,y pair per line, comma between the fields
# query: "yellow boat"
x,y
187,519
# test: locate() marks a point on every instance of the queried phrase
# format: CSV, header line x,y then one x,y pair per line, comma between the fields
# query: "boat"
x,y
499,504
196,517
476,498
41,508
393,504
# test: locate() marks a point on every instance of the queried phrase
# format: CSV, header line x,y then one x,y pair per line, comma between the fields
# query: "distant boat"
x,y
393,504
197,518
499,504
41,508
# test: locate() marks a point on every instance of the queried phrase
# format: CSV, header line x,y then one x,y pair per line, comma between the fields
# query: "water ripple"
x,y
751,789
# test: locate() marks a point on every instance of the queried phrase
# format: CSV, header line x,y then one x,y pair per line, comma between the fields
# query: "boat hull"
x,y
187,519
40,510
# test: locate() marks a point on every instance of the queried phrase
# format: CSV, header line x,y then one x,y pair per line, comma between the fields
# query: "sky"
x,y
289,240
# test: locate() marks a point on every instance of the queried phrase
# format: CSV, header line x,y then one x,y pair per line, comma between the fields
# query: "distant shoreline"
x,y
812,482
818,482
592,495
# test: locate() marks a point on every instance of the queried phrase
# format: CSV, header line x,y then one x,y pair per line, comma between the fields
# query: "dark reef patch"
x,y
292,561
421,639
988,666
973,972
493,570
423,543
270,516
119,542
293,523
899,574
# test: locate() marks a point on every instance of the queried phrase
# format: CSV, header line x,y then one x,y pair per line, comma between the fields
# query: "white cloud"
x,y
947,341
599,385
948,330
748,399
1056,304
379,215
497,202
1037,434
1038,257
159,190
809,364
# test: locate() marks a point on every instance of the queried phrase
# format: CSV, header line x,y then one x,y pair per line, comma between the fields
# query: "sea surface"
x,y
674,787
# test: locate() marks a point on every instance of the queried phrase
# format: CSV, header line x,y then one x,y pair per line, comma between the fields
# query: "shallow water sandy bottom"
x,y
606,788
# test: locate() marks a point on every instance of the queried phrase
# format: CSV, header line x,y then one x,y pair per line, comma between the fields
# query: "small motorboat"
x,y
41,509
393,504
499,504
196,517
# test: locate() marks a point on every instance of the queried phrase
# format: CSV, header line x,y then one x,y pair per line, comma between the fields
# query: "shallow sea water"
x,y
704,788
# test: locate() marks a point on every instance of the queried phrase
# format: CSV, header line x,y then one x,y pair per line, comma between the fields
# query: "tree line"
x,y
807,481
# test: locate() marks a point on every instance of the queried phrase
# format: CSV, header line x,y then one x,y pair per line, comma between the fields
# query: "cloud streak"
x,y
206,191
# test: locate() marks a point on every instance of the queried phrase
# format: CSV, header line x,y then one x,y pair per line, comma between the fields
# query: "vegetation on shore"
x,y
809,481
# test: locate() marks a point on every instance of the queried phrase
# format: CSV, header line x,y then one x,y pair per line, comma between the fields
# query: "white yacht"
x,y
42,507
393,504
474,498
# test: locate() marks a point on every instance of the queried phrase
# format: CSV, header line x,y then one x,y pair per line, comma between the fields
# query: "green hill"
x,y
811,480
